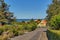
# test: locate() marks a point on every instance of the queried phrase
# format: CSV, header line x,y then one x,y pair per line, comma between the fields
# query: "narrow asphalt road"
x,y
38,34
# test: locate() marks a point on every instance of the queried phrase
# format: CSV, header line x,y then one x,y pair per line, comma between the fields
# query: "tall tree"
x,y
53,9
5,15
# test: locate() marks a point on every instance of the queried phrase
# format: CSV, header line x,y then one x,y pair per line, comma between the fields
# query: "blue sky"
x,y
27,9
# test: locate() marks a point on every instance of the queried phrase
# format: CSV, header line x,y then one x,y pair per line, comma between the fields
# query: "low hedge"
x,y
53,34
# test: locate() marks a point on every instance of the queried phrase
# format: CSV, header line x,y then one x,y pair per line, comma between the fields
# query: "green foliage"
x,y
30,26
18,29
54,9
53,34
12,28
55,22
1,30
6,17
32,20
53,13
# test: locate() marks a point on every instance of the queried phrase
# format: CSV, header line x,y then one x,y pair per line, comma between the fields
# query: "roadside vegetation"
x,y
53,19
9,27
15,29
53,34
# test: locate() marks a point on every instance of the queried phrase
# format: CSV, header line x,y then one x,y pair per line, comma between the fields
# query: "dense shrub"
x,y
30,27
53,34
16,29
55,22
1,30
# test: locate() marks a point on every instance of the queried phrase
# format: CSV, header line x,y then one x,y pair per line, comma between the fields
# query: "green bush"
x,y
55,22
1,30
17,28
32,26
53,34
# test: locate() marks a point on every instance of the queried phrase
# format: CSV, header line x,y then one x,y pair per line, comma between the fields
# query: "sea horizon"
x,y
20,20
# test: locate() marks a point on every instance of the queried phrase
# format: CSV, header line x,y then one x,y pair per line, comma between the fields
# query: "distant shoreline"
x,y
20,20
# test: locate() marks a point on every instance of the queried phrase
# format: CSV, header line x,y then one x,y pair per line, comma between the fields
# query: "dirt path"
x,y
38,34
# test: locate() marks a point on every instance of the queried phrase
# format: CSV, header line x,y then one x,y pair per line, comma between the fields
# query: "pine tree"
x,y
5,15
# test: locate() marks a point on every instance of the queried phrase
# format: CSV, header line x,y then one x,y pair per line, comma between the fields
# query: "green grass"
x,y
53,34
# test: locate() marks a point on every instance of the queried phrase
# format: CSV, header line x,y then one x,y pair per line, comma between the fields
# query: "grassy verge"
x,y
53,34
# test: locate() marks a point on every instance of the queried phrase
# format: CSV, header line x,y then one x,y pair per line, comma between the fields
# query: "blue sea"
x,y
20,20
